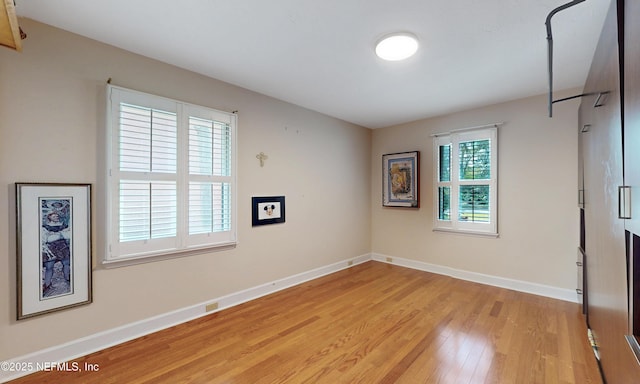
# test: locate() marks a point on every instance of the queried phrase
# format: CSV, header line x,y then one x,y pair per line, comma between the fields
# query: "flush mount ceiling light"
x,y
398,46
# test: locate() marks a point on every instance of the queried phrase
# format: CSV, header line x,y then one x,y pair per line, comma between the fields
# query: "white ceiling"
x,y
319,53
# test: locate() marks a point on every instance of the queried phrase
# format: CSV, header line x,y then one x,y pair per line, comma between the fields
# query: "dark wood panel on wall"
x,y
603,162
632,110
631,147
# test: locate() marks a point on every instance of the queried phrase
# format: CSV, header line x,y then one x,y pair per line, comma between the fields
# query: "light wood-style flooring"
x,y
372,323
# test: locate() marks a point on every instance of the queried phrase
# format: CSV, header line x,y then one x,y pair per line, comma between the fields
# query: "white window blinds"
x,y
148,139
466,181
209,176
171,176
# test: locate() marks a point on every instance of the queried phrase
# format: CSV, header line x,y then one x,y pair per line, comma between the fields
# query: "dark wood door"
x,y
632,110
632,158
607,283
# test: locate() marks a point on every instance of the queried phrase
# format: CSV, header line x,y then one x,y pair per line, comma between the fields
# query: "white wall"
x,y
537,195
51,115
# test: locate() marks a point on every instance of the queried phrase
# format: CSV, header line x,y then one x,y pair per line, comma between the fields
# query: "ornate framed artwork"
x,y
53,227
267,210
401,180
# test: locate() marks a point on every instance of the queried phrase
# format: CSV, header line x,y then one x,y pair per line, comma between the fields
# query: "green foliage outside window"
x,y
475,160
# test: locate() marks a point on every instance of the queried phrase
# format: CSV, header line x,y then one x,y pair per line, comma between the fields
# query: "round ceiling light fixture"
x,y
397,46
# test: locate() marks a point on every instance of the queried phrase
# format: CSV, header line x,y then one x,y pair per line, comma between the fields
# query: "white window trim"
x,y
454,138
183,244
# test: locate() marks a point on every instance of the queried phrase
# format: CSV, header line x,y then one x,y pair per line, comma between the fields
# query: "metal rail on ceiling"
x,y
550,53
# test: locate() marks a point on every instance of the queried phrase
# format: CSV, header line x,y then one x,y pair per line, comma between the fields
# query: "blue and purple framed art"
x,y
54,265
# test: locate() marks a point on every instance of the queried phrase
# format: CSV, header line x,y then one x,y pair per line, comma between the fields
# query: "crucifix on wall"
x,y
262,157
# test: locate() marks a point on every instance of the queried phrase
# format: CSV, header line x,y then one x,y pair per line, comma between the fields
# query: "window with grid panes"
x,y
466,181
171,176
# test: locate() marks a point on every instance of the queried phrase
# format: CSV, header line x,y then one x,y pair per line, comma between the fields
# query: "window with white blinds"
x,y
466,181
171,176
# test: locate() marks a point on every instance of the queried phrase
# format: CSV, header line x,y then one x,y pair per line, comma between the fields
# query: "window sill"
x,y
467,233
142,259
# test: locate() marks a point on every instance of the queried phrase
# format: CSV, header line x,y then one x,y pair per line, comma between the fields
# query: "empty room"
x,y
268,192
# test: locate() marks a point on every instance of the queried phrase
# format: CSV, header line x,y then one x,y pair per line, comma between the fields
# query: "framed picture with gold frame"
x,y
401,180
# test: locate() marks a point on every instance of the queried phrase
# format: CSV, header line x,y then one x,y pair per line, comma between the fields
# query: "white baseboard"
x,y
61,353
516,285
24,365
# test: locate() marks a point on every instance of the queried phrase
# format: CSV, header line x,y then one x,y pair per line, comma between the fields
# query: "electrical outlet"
x,y
389,260
211,307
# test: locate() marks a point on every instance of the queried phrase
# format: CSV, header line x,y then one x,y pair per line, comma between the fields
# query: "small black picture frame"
x,y
267,210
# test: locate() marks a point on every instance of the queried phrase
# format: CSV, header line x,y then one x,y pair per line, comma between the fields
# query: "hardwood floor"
x,y
373,323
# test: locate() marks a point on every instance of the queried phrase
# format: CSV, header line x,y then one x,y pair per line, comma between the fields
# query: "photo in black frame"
x,y
267,210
